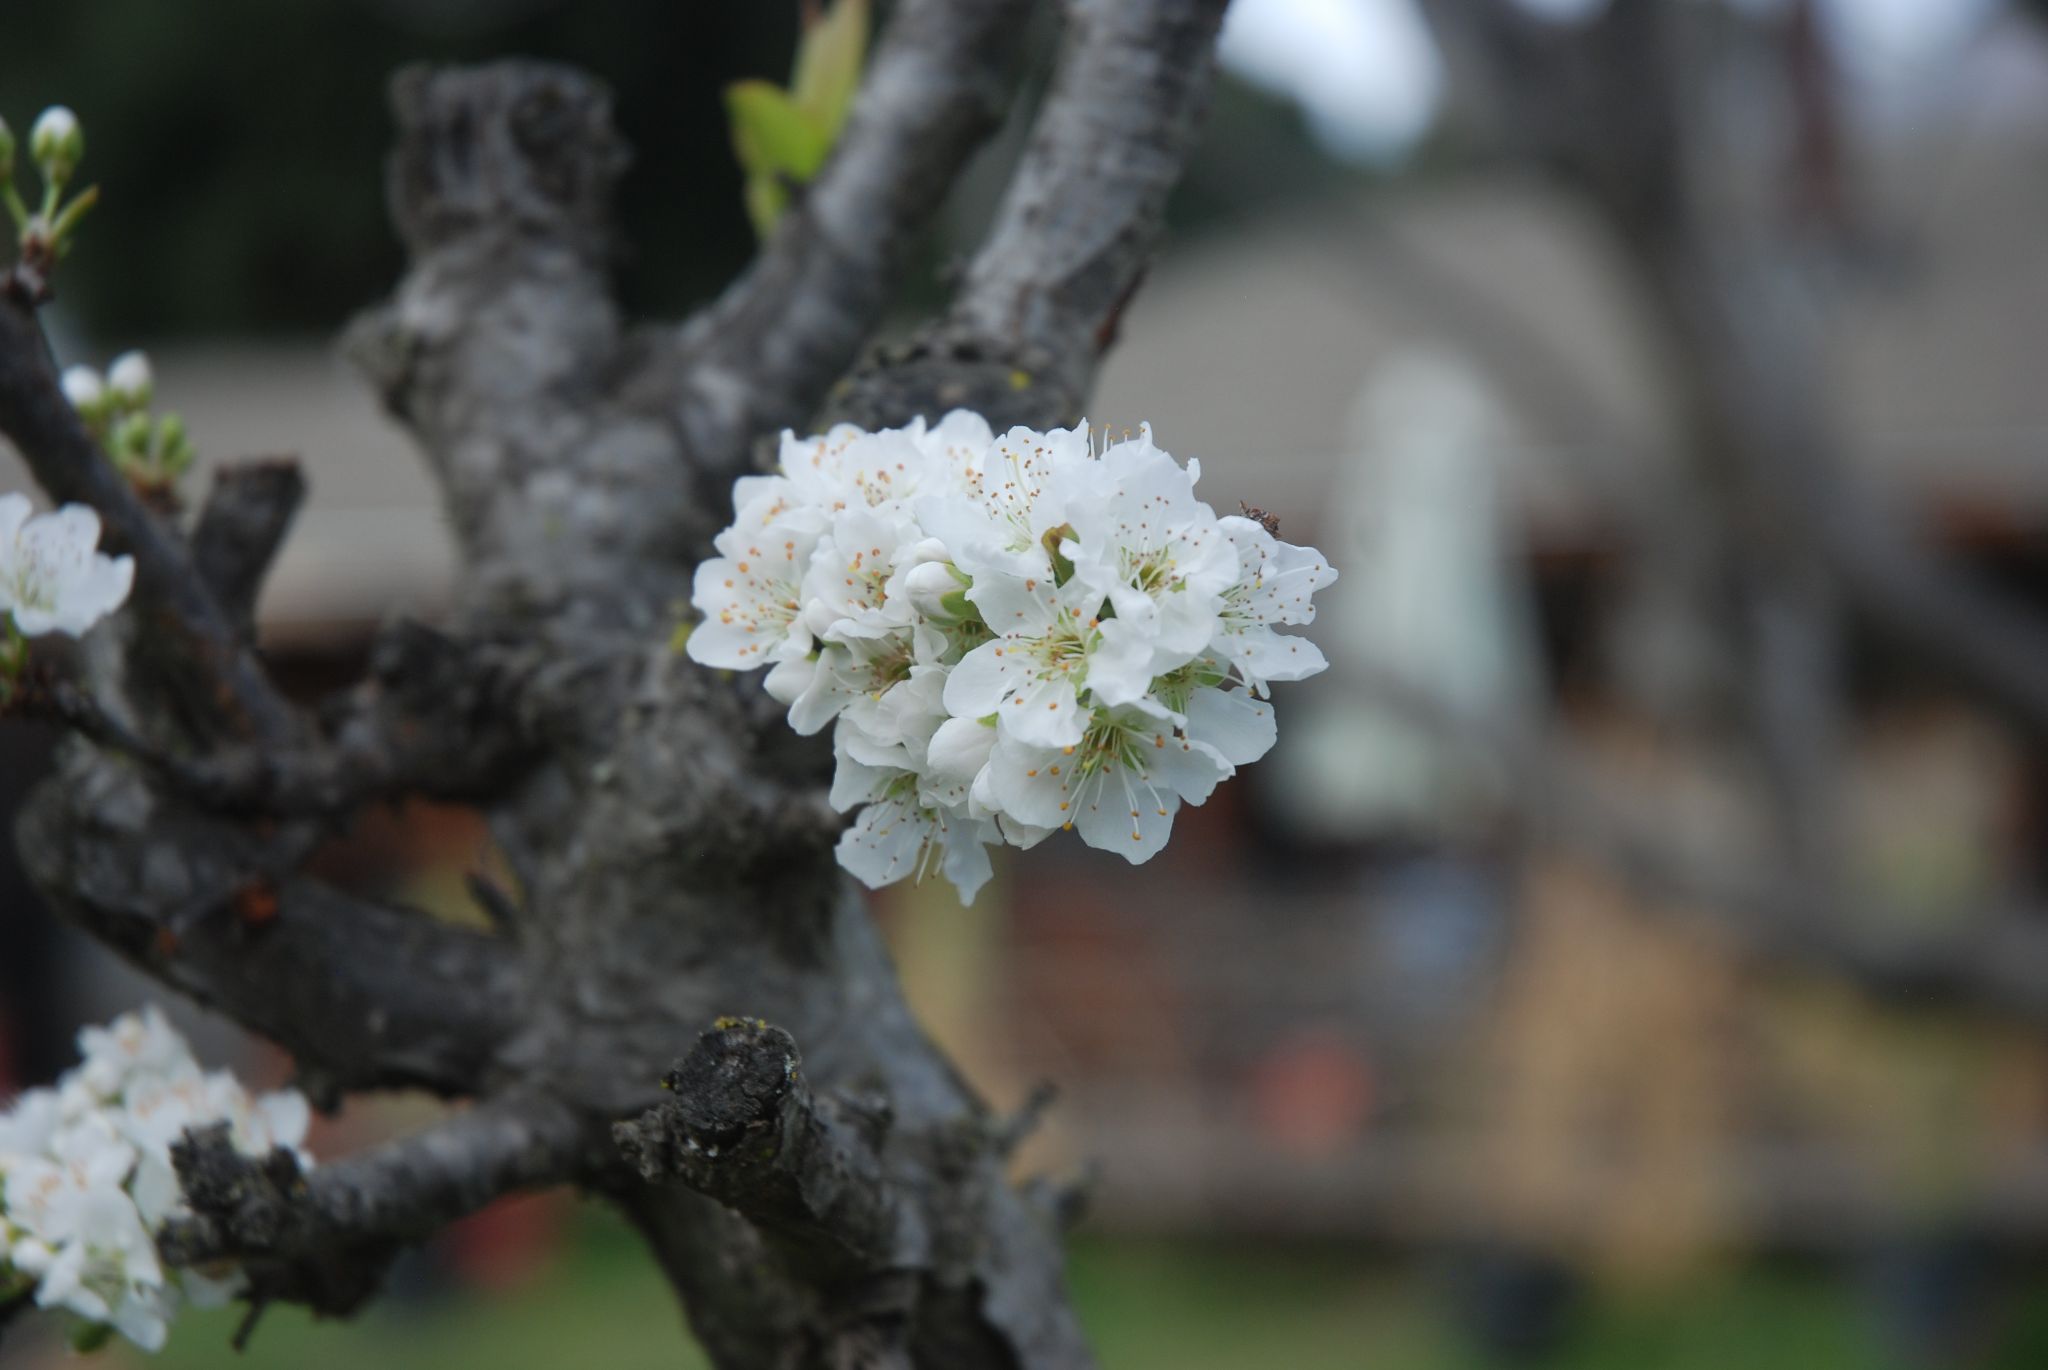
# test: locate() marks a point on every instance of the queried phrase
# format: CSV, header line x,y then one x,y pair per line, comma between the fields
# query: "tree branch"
x,y
1042,300
241,527
325,1238
70,466
364,995
435,718
504,353
761,357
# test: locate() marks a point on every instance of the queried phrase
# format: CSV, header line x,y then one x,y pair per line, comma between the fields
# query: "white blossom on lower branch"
x,y
1010,635
86,1179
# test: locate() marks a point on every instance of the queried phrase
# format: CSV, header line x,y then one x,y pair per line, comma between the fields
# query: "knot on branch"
x,y
524,144
746,1129
253,1210
239,1203
730,1096
944,367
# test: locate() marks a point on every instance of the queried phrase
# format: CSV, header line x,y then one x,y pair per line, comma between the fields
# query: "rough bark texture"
x,y
825,1191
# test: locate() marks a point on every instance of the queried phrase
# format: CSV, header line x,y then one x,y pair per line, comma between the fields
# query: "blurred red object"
x,y
508,1244
1312,1093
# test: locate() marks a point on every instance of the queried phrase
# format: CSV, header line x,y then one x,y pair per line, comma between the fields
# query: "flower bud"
x,y
132,438
84,388
959,749
6,152
57,143
926,549
174,450
928,584
130,379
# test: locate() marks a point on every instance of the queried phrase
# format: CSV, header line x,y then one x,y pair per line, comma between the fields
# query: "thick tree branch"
x,y
363,994
503,352
325,1238
761,357
435,718
746,1129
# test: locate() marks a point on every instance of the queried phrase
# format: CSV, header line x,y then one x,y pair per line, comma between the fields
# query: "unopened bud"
x,y
929,584
131,436
174,451
57,143
926,549
130,379
84,388
6,152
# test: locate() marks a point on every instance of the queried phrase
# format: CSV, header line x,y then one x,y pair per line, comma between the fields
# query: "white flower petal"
x,y
885,843
1239,728
51,577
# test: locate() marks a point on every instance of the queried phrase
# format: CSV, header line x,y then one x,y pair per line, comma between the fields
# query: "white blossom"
x,y
86,1175
1120,786
1162,560
1274,583
1021,490
1009,636
846,590
749,593
51,578
136,1048
897,834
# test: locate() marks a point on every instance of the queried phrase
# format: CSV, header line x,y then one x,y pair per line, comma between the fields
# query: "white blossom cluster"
x,y
86,1178
52,580
1009,635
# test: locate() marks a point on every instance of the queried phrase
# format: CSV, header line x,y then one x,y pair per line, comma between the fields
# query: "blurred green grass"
x,y
1149,1305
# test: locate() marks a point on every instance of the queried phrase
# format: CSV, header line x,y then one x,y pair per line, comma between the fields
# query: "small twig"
x,y
259,1304
1065,1201
1012,1132
494,899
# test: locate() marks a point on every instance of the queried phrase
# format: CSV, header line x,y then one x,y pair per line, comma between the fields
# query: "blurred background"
x,y
1636,951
